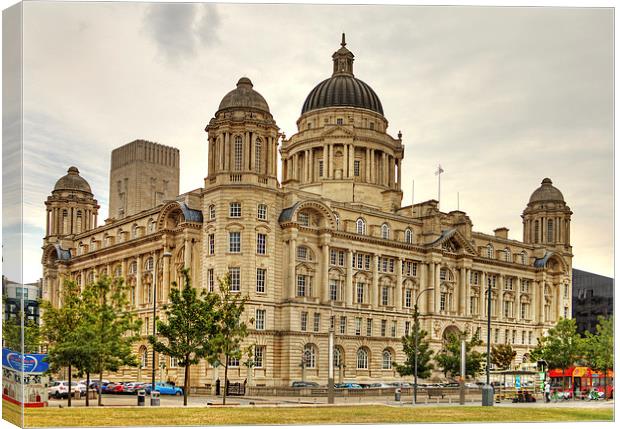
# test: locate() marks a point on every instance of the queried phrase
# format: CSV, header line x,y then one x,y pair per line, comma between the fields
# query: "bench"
x,y
435,392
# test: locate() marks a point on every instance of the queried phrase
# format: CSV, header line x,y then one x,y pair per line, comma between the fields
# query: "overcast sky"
x,y
501,97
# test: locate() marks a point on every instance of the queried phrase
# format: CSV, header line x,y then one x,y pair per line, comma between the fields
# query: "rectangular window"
x,y
407,327
496,337
356,168
260,319
394,326
339,121
508,285
391,265
262,212
529,337
523,338
507,335
343,325
317,322
367,262
383,327
260,280
211,280
233,362
320,168
332,321
525,285
302,253
234,210
341,258
234,242
524,310
304,321
514,337
360,261
333,257
491,281
303,219
384,264
475,278
259,356
333,290
360,292
384,295
408,298
369,327
358,326
173,362
235,279
301,285
261,244
442,301
212,211
211,244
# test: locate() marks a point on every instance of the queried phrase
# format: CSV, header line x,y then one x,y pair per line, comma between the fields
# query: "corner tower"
x,y
342,150
243,139
546,219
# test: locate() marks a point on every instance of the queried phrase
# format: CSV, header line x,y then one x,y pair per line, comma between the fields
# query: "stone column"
x,y
226,151
351,161
139,291
483,299
467,291
437,291
325,239
348,292
430,296
384,168
424,283
398,291
331,161
399,166
541,301
166,278
517,291
374,293
292,246
462,298
371,166
500,299
325,160
311,165
247,150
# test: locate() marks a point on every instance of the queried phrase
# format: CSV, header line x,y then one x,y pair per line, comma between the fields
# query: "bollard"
x,y
397,393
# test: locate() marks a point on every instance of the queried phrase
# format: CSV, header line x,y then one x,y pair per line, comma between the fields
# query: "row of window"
x,y
109,240
310,356
360,228
234,243
521,258
234,211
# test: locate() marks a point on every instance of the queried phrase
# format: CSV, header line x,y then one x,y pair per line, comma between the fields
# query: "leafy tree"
x,y
598,349
502,356
449,359
561,347
191,322
110,328
59,330
231,330
425,354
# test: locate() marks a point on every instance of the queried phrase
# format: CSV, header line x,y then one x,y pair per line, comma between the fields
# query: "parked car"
x,y
380,385
304,384
164,389
60,389
347,386
108,388
95,384
133,387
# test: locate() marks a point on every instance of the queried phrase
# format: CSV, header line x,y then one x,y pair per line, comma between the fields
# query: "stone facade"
x,y
330,247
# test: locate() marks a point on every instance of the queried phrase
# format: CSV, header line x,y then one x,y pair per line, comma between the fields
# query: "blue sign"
x,y
30,362
518,382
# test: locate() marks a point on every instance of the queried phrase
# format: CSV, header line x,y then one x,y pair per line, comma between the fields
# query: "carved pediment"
x,y
338,132
453,241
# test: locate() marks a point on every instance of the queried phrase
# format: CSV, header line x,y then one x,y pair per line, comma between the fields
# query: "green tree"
x,y
502,356
425,354
561,347
60,330
598,349
449,358
191,322
110,329
231,330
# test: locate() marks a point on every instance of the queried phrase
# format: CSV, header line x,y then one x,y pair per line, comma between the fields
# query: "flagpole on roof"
x,y
438,174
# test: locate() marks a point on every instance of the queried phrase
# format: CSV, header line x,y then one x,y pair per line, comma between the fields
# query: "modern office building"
x,y
593,296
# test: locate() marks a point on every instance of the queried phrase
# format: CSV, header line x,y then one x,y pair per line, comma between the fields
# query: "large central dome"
x,y
343,89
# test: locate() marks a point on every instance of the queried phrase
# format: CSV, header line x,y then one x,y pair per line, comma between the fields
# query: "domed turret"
x,y
243,139
244,96
343,88
72,181
546,219
71,208
546,192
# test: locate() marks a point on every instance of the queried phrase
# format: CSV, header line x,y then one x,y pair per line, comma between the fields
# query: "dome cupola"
x,y
546,192
342,89
244,96
72,181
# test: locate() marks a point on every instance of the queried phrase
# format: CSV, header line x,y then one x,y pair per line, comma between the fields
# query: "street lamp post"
x,y
166,254
415,345
487,389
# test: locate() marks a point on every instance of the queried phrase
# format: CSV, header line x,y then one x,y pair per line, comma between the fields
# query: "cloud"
x,y
179,29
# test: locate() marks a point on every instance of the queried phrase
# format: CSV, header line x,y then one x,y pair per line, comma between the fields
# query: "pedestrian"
x,y
547,392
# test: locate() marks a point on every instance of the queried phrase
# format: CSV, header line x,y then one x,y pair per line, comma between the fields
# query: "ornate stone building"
x,y
328,247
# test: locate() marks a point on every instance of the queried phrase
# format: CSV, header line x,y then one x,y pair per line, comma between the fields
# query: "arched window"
x,y
303,253
118,271
310,355
144,357
133,267
489,251
549,230
65,222
387,359
408,236
212,212
362,358
151,225
338,361
360,226
238,153
508,254
385,231
258,155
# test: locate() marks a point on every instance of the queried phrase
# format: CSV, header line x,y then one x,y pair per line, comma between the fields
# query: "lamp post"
x,y
166,254
487,389
415,345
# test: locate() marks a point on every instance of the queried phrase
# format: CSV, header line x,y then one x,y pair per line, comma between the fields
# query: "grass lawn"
x,y
147,416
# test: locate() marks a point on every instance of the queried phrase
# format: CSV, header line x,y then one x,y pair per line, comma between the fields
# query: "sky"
x,y
501,97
